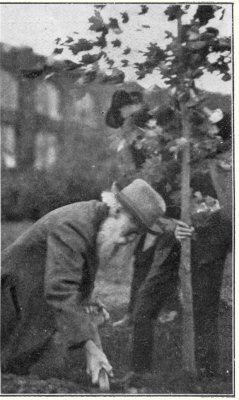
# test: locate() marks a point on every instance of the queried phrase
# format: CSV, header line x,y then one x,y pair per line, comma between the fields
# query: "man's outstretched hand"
x,y
95,361
182,230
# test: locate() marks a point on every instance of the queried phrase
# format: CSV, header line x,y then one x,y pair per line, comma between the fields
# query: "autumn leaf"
x,y
127,51
125,17
125,63
81,45
204,13
69,39
109,61
100,6
57,51
117,76
97,23
114,25
226,77
101,40
173,12
144,9
116,43
91,58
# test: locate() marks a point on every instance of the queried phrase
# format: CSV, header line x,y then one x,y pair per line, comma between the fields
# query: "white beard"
x,y
110,253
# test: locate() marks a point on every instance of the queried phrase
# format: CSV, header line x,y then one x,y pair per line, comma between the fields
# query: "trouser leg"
x,y
206,282
152,296
139,275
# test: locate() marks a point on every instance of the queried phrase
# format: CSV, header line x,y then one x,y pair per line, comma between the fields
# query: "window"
x,y
83,110
47,100
8,146
45,150
8,91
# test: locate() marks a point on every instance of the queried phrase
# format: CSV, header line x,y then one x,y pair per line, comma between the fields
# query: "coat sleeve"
x,y
67,284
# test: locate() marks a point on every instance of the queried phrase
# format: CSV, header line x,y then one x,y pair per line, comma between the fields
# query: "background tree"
x,y
185,137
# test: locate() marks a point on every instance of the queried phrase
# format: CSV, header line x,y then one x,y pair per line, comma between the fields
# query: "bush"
x,y
32,194
85,167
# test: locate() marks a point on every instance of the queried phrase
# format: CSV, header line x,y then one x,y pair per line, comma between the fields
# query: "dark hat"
x,y
143,202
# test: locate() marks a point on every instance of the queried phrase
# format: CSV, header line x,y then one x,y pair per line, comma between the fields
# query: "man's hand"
x,y
182,230
98,312
95,361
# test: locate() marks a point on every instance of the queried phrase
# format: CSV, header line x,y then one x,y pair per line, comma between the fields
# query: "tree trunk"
x,y
188,343
188,346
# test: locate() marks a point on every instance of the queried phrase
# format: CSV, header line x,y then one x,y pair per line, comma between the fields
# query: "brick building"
x,y
37,114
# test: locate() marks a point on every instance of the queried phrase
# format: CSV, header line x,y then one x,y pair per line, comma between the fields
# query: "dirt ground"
x,y
113,288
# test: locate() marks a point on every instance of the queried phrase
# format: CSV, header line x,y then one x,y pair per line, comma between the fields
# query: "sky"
x,y
38,25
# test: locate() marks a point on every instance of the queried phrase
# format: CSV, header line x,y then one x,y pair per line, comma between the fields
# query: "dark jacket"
x,y
47,275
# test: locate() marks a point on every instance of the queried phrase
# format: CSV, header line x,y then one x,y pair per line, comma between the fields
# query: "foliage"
x,y
197,48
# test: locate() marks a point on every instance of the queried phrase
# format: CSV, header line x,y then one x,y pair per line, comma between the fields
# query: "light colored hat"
x,y
143,202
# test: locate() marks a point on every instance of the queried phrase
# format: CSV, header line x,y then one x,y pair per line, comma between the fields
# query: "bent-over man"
x,y
48,276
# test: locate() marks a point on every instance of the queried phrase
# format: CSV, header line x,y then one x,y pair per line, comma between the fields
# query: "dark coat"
x,y
47,275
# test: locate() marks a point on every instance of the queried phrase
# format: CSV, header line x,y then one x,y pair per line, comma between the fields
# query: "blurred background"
x,y
56,147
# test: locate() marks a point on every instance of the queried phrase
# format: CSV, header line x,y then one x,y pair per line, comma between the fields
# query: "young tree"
x,y
186,136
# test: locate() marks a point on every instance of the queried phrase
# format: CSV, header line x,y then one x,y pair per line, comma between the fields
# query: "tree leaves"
x,y
69,39
109,61
154,56
81,45
174,12
116,43
226,77
220,65
116,76
91,58
101,40
58,50
125,63
100,6
144,9
114,25
179,66
204,13
97,23
125,17
127,51
222,44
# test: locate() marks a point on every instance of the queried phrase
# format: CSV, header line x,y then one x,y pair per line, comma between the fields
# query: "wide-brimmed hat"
x,y
143,202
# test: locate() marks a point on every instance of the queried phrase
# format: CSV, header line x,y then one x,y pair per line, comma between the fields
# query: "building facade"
x,y
37,114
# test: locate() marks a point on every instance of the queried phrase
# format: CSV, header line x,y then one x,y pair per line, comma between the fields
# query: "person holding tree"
x,y
156,266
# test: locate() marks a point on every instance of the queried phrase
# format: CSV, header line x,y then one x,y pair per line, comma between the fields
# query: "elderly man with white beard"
x,y
48,277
